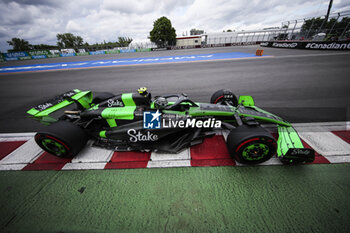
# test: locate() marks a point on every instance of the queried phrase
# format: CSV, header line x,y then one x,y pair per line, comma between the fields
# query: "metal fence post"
x,y
296,21
321,26
330,32
342,34
308,32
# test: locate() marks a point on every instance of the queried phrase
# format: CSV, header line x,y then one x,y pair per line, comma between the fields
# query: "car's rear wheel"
x,y
224,96
251,144
62,139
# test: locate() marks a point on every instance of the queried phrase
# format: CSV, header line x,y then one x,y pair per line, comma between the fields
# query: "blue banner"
x,y
67,54
97,52
11,58
39,56
127,50
15,54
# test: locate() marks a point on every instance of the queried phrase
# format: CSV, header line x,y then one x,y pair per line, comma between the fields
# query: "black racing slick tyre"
x,y
251,144
62,139
222,96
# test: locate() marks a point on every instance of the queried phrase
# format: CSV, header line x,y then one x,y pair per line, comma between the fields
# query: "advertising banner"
x,y
15,55
112,52
39,52
82,54
54,51
1,58
67,54
144,50
11,58
39,56
53,55
127,50
25,58
97,52
319,45
159,49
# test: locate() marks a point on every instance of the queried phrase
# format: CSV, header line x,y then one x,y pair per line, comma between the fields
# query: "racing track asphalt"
x,y
299,85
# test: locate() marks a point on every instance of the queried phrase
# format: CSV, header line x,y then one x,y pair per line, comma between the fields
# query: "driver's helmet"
x,y
160,103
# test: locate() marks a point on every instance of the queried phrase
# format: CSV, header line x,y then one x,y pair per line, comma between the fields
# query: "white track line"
x,y
272,161
183,155
26,153
338,159
12,137
93,155
84,166
169,163
14,167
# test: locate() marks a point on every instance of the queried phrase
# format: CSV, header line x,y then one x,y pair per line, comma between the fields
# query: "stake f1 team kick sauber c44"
x,y
169,124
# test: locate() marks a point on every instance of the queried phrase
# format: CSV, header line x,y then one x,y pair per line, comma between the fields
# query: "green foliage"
x,y
229,30
311,24
19,44
44,46
315,23
163,34
123,41
68,40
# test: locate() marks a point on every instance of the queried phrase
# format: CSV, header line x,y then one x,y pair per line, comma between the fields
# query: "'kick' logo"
x,y
151,120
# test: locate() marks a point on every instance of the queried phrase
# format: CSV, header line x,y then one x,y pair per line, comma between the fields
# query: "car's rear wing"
x,y
290,149
82,99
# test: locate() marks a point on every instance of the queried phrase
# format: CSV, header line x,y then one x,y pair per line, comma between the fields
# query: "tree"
x,y
68,40
312,24
315,24
163,34
229,30
19,44
44,47
123,41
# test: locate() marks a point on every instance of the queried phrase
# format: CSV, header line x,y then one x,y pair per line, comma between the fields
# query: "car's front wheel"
x,y
62,139
223,97
251,144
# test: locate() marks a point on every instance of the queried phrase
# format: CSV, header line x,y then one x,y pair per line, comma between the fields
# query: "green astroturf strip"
x,y
313,198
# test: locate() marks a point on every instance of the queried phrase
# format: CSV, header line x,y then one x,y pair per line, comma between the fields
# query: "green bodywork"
x,y
83,97
288,137
121,113
246,100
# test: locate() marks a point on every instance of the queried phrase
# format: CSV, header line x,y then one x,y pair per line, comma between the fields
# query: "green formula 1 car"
x,y
169,124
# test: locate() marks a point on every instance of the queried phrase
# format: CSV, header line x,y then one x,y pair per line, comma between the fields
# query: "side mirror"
x,y
246,100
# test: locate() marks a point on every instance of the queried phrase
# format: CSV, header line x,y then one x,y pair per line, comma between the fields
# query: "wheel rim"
x,y
255,151
54,147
